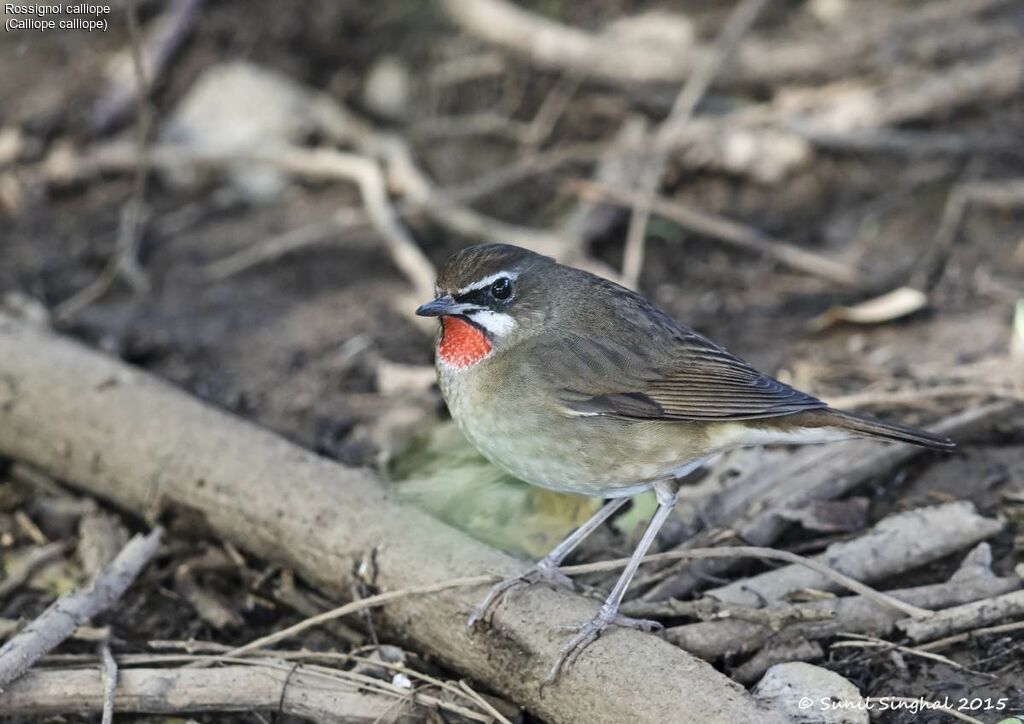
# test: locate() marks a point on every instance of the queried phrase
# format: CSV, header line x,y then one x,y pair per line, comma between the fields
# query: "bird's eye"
x,y
501,289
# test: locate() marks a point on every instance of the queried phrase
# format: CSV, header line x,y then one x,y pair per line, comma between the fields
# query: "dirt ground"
x,y
298,343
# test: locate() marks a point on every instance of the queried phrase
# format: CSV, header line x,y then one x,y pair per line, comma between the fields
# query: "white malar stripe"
x,y
497,323
487,281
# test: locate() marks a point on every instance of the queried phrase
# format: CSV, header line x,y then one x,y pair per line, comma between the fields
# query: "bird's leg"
x,y
589,631
546,568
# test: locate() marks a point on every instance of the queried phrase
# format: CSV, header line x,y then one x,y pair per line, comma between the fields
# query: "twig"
x,y
968,635
739,22
712,640
550,111
970,615
30,529
769,554
730,232
124,261
61,619
891,398
29,564
109,682
994,194
484,704
166,34
314,163
897,543
865,641
240,687
274,659
550,44
275,247
355,606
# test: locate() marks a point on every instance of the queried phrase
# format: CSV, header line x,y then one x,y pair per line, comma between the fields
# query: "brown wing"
x,y
676,374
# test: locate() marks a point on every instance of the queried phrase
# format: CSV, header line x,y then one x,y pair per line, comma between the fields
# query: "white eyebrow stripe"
x,y
487,281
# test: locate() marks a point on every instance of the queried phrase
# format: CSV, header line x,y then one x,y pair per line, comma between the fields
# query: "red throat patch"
x,y
462,345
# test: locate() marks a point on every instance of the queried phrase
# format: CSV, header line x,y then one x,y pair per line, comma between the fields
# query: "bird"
x,y
574,383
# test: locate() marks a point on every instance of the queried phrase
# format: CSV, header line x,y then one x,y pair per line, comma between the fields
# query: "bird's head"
x,y
489,297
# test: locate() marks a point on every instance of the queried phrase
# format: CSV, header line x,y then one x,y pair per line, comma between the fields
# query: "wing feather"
x,y
688,379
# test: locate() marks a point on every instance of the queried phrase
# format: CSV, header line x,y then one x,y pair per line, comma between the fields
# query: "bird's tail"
x,y
871,427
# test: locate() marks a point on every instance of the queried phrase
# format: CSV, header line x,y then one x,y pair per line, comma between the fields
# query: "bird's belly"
x,y
610,458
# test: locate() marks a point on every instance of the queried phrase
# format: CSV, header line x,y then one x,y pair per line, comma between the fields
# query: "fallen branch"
x,y
109,682
128,437
697,84
316,163
67,613
166,34
229,688
968,616
897,544
715,639
615,57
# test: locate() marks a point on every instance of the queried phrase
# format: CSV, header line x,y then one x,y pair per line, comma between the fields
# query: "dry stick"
x,y
995,194
164,37
912,398
728,231
766,554
315,163
967,635
61,619
370,684
275,247
549,44
898,543
739,22
229,688
124,261
29,564
483,703
970,615
278,656
360,605
863,641
712,640
109,682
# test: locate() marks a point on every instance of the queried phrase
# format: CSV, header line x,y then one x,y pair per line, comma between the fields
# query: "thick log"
x,y
121,434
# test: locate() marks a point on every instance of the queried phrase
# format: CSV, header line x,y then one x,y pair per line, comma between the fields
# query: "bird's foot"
x,y
588,632
542,572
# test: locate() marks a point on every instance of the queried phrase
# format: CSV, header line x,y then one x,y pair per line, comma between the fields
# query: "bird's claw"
x,y
587,632
541,572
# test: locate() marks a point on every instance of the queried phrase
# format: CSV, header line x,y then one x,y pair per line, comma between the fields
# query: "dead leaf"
x,y
885,308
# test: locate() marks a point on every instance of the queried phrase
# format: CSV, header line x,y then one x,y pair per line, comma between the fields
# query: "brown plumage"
x,y
575,383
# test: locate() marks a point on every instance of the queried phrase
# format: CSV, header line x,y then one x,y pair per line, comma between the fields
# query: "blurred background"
x,y
833,189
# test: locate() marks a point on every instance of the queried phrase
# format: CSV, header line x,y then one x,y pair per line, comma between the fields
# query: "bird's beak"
x,y
442,306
